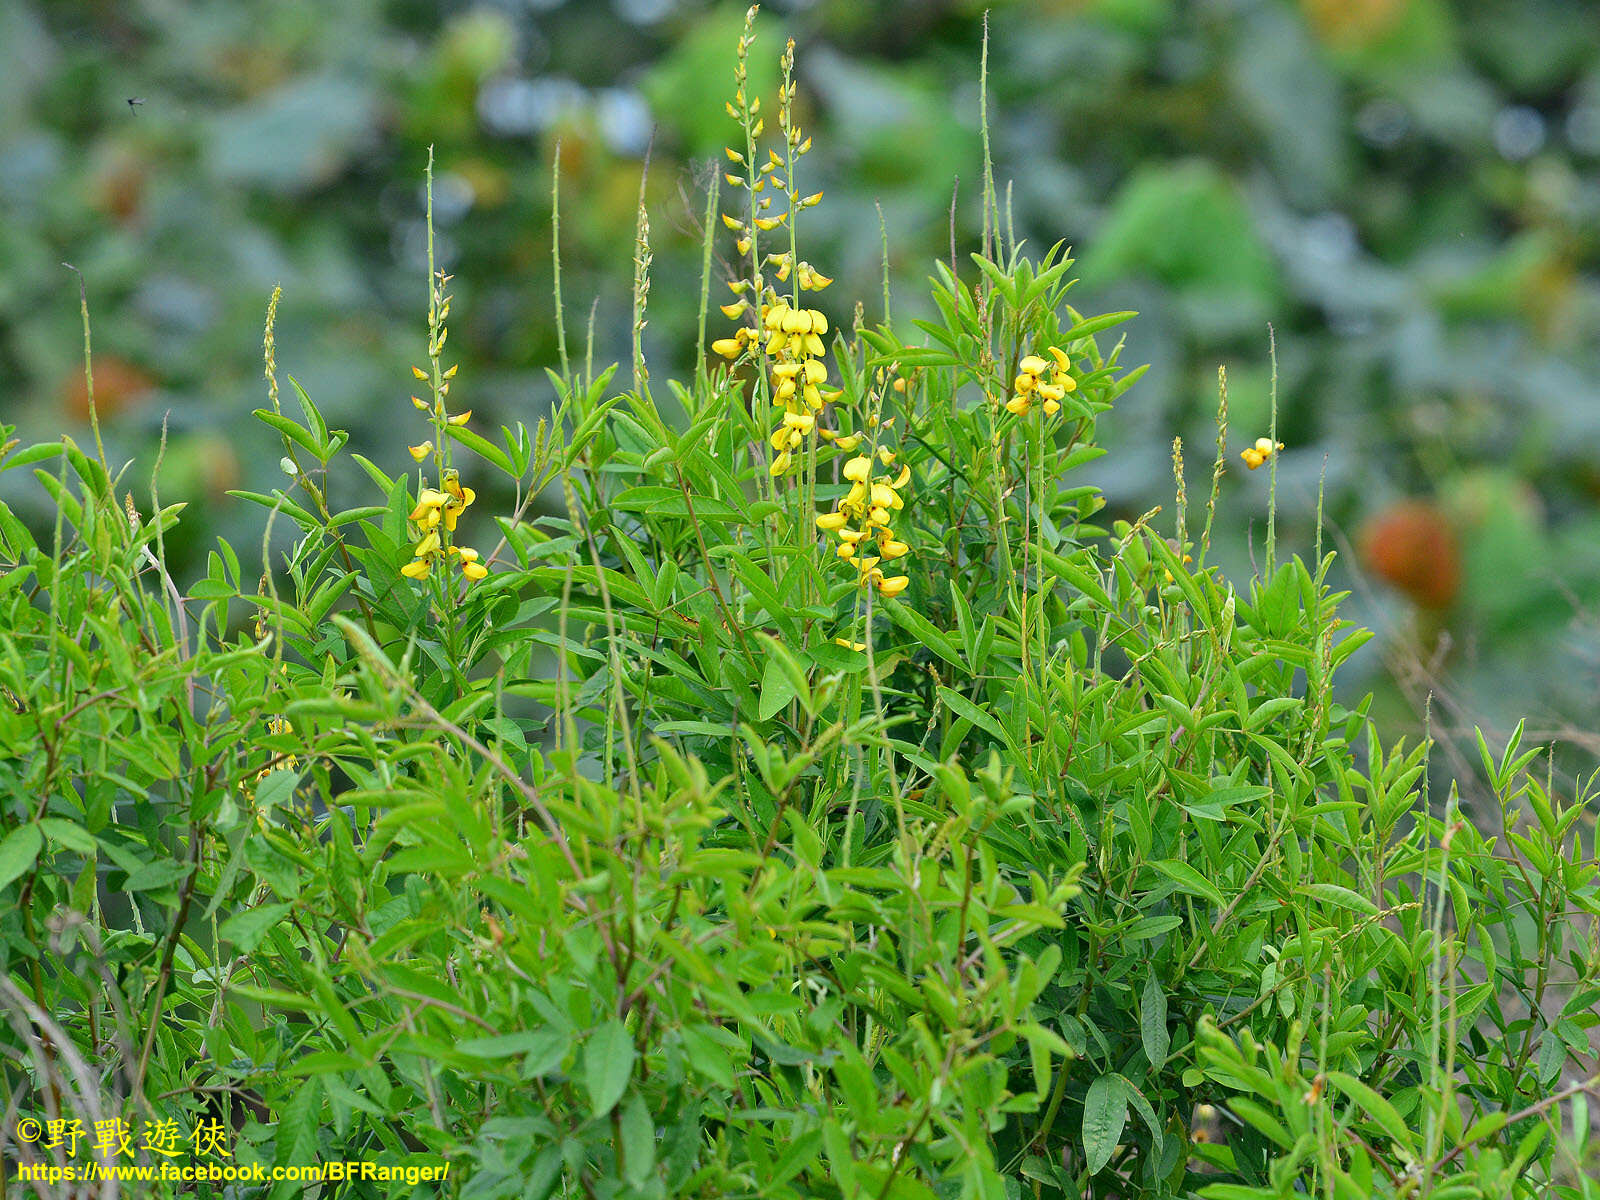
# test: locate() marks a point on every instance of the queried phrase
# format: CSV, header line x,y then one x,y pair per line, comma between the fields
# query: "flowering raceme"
x,y
438,509
1039,380
788,336
862,519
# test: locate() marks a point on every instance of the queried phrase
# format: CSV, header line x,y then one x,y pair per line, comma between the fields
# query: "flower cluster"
x,y
794,347
1038,379
438,509
863,516
788,335
1255,455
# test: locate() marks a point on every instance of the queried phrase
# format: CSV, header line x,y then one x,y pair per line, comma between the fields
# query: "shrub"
x,y
816,801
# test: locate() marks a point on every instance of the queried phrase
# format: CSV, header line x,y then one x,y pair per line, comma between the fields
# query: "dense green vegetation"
x,y
782,778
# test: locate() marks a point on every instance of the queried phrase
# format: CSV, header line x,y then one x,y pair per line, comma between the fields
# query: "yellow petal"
x,y
419,372
421,452
461,418
1062,361
416,570
831,521
474,571
894,585
1033,365
858,468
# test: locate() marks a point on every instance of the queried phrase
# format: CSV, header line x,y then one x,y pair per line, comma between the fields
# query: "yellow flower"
x,y
421,452
1255,455
417,569
894,585
858,647
458,499
428,504
470,566
461,418
728,347
1036,377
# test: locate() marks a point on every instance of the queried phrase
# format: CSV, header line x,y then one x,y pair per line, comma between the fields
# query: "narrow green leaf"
x,y
1105,1112
1189,880
607,1065
1153,1022
1376,1107
246,929
19,852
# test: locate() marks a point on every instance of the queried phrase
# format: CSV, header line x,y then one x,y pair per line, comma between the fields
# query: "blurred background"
x,y
1408,191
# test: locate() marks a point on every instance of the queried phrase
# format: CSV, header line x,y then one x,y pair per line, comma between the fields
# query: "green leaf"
x,y
1153,1022
1343,897
19,852
1095,324
508,1045
483,448
1376,1107
962,707
1105,1112
919,627
290,429
777,689
638,1140
246,929
1189,880
276,787
69,834
607,1065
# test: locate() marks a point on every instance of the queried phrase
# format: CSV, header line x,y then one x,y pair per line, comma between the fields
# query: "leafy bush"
x,y
818,802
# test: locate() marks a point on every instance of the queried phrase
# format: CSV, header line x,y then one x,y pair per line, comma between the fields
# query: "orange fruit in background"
x,y
1413,546
118,385
1353,22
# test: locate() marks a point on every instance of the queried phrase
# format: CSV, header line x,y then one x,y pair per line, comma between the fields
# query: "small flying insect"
x,y
133,101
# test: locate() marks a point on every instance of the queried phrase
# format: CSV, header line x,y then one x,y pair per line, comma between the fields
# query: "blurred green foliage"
x,y
1406,189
